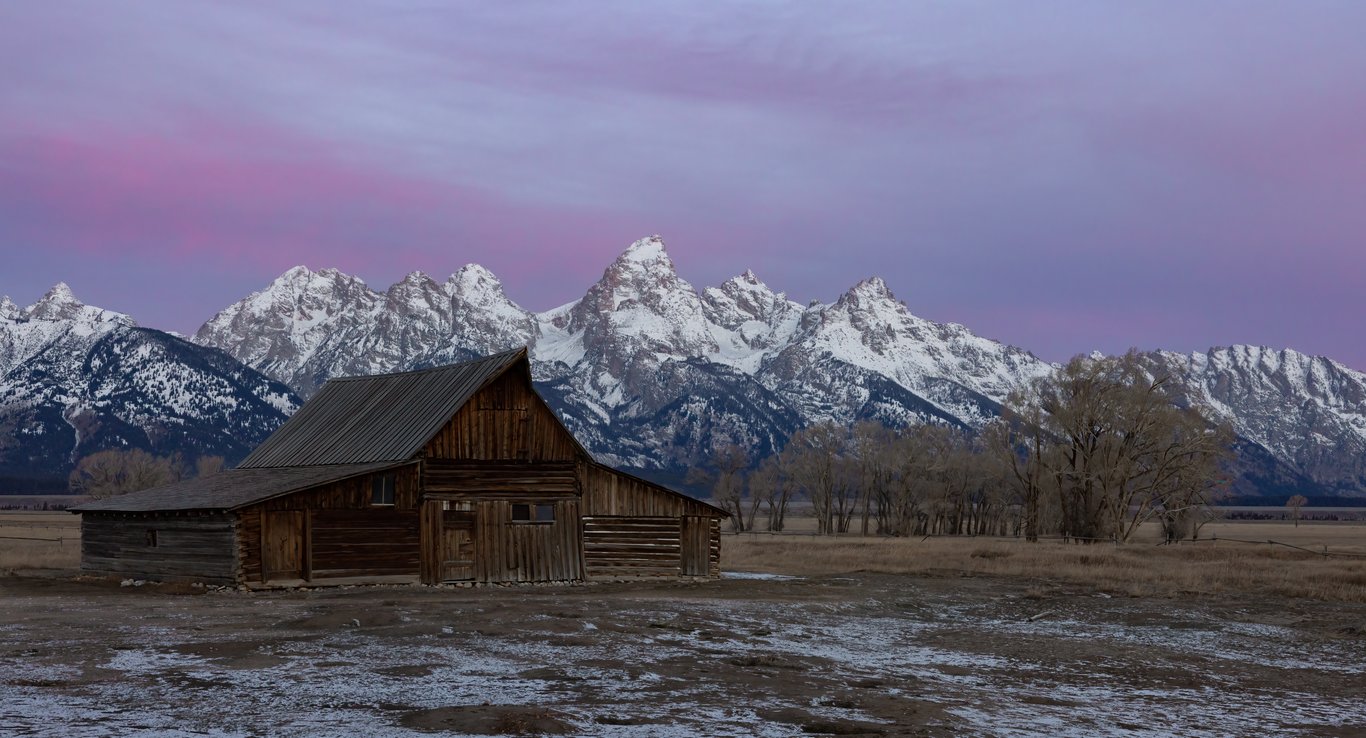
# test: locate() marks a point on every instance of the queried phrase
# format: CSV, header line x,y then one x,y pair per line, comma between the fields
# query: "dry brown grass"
x,y
1135,569
58,544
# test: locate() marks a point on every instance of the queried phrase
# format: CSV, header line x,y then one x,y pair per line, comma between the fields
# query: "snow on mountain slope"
x,y
749,321
55,318
651,372
295,329
640,310
306,326
963,375
640,343
1308,411
76,379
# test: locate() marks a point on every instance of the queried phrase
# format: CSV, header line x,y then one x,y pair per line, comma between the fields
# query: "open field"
x,y
1138,568
804,636
39,540
854,654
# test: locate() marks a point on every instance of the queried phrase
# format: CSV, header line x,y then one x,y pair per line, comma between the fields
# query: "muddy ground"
x,y
850,655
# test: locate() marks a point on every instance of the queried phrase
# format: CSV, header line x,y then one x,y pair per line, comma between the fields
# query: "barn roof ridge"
x,y
511,354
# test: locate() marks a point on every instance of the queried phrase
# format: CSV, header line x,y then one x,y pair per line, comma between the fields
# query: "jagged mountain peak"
x,y
871,289
745,305
7,308
643,268
302,276
474,281
59,303
416,294
748,281
416,277
647,250
643,276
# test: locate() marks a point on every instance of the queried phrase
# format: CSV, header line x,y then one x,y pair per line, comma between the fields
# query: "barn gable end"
x,y
505,421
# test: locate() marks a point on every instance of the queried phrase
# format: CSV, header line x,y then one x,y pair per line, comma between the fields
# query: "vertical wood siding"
x,y
506,420
507,551
609,492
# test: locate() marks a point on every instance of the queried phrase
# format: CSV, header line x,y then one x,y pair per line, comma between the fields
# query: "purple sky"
x,y
1064,176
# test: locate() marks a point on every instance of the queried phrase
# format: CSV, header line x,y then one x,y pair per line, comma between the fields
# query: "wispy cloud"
x,y
992,162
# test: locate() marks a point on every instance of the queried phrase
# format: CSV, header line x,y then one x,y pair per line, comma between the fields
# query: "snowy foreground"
x,y
749,655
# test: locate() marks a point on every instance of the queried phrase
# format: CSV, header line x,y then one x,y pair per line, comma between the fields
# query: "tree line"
x,y
120,471
1089,453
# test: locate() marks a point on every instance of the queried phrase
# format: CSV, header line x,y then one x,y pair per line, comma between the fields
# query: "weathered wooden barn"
x,y
454,474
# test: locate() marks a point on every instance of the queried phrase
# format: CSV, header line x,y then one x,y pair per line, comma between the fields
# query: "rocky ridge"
x,y
76,379
653,373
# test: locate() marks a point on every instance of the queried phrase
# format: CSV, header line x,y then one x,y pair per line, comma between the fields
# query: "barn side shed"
x,y
454,474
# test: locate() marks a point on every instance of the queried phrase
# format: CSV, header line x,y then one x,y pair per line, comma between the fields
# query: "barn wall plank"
x,y
506,420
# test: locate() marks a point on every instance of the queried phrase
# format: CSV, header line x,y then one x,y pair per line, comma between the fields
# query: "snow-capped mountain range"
x,y
75,379
652,373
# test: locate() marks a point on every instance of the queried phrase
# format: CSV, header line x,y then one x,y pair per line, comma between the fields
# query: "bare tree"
x,y
818,465
1117,449
874,445
723,474
912,482
769,485
206,466
1294,505
1019,442
116,472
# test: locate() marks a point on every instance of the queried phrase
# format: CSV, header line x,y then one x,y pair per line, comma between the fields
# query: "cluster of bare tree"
x,y
1090,453
119,471
929,479
1100,447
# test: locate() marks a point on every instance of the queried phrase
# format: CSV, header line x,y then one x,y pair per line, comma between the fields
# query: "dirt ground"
x,y
762,655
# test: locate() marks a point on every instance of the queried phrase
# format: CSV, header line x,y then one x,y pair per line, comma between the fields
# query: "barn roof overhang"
x,y
233,489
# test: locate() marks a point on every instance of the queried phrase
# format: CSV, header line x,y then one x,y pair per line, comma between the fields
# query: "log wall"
x,y
187,547
617,547
636,528
360,543
446,478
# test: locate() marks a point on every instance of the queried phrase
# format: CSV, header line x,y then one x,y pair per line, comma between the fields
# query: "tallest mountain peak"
x,y
645,251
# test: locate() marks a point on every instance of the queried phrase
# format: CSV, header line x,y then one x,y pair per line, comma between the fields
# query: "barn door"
x,y
282,545
457,545
696,548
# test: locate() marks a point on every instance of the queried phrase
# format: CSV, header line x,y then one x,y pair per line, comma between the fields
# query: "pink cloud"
x,y
256,200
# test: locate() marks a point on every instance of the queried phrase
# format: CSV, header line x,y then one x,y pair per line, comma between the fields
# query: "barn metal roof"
x,y
387,417
231,489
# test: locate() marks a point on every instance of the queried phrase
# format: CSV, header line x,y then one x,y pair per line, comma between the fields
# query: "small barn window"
x,y
151,538
523,512
382,490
